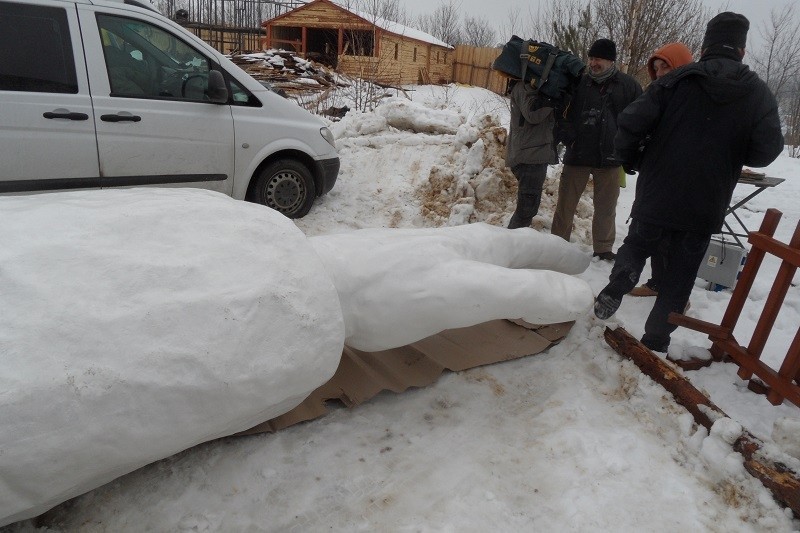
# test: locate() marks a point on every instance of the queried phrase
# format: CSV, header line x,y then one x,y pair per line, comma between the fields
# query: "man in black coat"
x,y
702,123
588,129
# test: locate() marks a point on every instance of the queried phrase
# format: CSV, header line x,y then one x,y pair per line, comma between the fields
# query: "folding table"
x,y
761,183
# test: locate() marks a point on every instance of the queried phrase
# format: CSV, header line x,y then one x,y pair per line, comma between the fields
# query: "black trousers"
x,y
658,264
684,251
530,180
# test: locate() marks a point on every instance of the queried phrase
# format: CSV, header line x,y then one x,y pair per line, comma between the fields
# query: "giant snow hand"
x,y
157,319
397,286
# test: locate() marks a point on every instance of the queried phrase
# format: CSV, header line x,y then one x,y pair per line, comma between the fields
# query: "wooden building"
x,y
362,45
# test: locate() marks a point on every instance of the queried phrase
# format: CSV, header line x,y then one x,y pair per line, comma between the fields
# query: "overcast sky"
x,y
755,10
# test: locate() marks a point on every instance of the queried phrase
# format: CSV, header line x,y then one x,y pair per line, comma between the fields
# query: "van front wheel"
x,y
285,185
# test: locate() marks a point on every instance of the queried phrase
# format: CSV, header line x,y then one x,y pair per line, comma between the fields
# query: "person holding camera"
x,y
587,130
530,148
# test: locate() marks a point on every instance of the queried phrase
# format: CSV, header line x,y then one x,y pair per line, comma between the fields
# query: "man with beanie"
x,y
705,121
530,148
587,130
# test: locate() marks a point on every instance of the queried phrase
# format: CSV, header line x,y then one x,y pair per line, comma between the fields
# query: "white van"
x,y
98,93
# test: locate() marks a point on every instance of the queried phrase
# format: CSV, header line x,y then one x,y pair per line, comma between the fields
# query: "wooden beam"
x,y
782,482
712,330
663,373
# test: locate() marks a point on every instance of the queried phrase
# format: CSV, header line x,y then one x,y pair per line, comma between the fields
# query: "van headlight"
x,y
328,136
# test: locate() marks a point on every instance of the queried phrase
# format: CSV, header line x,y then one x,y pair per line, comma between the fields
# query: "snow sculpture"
x,y
138,323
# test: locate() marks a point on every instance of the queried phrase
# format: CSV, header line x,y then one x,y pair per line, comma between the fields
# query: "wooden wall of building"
x,y
398,60
402,61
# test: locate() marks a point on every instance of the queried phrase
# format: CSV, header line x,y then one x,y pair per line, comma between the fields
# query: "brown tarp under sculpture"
x,y
362,375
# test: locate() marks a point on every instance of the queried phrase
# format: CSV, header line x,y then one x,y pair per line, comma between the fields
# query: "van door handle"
x,y
59,113
120,118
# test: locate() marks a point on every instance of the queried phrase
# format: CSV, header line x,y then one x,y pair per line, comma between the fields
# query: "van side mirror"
x,y
217,91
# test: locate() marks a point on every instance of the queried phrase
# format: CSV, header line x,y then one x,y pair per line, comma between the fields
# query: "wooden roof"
x,y
393,28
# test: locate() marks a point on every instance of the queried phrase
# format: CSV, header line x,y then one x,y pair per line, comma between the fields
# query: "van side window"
x,y
241,96
144,61
35,50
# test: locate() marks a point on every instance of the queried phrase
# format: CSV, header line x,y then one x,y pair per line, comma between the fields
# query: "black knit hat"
x,y
603,49
726,29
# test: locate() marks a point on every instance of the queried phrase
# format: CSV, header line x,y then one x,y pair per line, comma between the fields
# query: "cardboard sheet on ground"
x,y
362,375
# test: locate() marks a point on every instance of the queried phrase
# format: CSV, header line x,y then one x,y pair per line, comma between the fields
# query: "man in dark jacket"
x,y
530,149
588,129
705,121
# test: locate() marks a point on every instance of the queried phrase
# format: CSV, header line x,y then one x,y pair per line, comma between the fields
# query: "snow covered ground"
x,y
575,439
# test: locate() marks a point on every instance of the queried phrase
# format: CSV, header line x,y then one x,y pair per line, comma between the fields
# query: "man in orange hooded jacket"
x,y
662,62
668,58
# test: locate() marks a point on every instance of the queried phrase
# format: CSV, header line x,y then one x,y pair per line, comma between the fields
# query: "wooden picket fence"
x,y
785,383
472,65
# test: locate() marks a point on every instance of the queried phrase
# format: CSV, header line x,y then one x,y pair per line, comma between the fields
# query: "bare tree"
x,y
572,27
477,32
443,23
513,24
790,105
558,22
778,61
391,10
640,26
533,23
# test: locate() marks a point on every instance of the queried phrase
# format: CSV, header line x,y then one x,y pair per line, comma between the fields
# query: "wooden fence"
x,y
784,383
473,65
229,39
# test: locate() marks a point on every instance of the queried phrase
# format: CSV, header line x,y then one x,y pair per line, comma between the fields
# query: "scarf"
x,y
600,78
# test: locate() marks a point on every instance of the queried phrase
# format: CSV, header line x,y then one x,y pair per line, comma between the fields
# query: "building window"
x,y
415,54
396,51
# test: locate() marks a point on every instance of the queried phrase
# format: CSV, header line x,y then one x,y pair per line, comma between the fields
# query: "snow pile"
x,y
460,178
407,115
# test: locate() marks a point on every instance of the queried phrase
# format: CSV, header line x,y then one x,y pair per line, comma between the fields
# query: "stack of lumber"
x,y
287,72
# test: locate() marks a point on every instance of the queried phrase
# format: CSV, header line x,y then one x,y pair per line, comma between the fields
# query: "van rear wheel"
x,y
286,185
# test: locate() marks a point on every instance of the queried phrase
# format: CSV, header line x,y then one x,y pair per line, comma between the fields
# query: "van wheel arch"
x,y
284,183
